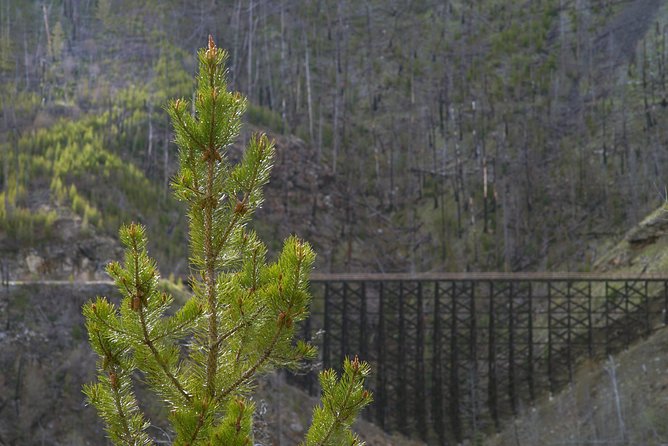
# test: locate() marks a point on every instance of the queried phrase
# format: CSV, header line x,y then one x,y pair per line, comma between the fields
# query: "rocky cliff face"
x,y
644,248
620,401
71,253
44,359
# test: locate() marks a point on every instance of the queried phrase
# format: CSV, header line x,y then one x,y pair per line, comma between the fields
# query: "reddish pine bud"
x,y
136,303
211,50
240,208
355,363
211,155
113,379
284,320
242,407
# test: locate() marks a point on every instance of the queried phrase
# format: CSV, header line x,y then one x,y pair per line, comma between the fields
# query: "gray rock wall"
x,y
44,360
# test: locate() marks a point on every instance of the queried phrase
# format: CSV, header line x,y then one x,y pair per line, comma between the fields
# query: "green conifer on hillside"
x,y
240,322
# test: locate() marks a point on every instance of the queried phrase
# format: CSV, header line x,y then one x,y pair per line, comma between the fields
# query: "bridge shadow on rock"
x,y
454,355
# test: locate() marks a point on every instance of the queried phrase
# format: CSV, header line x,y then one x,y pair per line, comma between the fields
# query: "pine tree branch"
x,y
111,328
247,375
174,329
244,204
119,409
251,370
200,423
163,365
298,269
193,190
147,339
210,263
247,322
189,133
226,235
108,354
269,350
213,110
242,379
338,416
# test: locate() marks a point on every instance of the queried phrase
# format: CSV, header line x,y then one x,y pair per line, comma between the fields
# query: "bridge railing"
x,y
456,354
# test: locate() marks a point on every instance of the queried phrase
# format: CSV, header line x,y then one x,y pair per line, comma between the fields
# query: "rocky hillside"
x,y
70,253
619,401
643,249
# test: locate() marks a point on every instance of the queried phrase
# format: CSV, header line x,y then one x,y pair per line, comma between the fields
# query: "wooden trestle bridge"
x,y
456,354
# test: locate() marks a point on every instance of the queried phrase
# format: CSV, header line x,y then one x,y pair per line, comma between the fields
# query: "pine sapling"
x,y
203,359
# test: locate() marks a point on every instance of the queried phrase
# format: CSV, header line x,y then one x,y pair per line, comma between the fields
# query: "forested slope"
x,y
437,135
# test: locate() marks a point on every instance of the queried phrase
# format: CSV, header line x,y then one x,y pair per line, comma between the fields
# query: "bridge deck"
x,y
486,276
427,277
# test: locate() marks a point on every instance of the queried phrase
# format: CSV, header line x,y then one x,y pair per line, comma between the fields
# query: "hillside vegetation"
x,y
438,135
